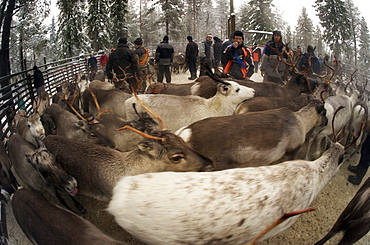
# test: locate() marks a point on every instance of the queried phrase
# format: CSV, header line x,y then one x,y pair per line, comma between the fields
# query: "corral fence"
x,y
20,92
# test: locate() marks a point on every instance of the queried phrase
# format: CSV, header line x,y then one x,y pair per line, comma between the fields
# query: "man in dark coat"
x,y
217,51
123,62
38,80
240,63
309,62
164,57
191,55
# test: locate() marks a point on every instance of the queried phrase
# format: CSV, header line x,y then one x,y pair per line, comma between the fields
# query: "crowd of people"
x,y
231,57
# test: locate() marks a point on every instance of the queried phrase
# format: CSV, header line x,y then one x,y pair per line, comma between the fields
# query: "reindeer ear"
x,y
150,147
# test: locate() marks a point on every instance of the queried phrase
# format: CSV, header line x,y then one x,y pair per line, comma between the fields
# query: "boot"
x,y
360,173
193,75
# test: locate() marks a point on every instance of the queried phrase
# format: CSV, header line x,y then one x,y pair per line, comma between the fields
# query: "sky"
x,y
292,9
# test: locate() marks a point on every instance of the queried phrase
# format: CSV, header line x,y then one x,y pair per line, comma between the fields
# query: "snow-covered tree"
x,y
364,44
304,30
334,16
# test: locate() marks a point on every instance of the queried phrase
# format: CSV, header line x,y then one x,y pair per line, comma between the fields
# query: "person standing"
x,y
206,54
239,57
272,67
217,51
123,63
142,55
92,66
38,80
257,54
164,57
103,59
309,62
191,55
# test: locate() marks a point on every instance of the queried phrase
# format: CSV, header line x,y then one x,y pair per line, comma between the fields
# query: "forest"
x,y
86,26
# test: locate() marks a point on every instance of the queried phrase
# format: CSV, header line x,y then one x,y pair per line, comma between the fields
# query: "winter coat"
x,y
38,79
142,55
206,51
164,53
217,49
271,61
240,63
191,50
121,58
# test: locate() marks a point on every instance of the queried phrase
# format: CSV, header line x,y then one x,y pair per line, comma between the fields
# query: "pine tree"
x,y
118,20
71,37
97,24
304,29
354,20
257,15
171,18
364,45
334,17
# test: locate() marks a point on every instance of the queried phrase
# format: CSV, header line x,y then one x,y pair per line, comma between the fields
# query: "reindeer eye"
x,y
177,158
238,90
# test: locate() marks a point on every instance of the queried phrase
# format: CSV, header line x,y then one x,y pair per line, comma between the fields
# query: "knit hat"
x,y
138,41
35,68
189,37
209,35
122,40
239,34
165,38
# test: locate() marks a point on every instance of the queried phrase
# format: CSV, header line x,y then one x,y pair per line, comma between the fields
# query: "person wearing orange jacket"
x,y
239,58
257,54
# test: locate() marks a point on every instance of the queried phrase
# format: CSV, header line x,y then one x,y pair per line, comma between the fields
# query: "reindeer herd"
x,y
214,161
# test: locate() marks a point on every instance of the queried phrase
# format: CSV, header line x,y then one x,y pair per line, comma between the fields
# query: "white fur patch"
x,y
224,207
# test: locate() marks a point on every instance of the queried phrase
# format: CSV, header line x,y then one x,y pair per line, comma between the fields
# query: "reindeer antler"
x,y
100,112
141,133
160,121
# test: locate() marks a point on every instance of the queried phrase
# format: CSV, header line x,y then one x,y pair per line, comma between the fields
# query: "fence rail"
x,y
19,93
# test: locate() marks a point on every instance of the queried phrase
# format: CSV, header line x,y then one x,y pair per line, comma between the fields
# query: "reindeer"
x,y
193,108
30,128
254,138
225,207
36,169
45,223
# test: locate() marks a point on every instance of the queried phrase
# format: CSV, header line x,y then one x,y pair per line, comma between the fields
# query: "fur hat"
x,y
138,41
239,34
122,40
276,32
